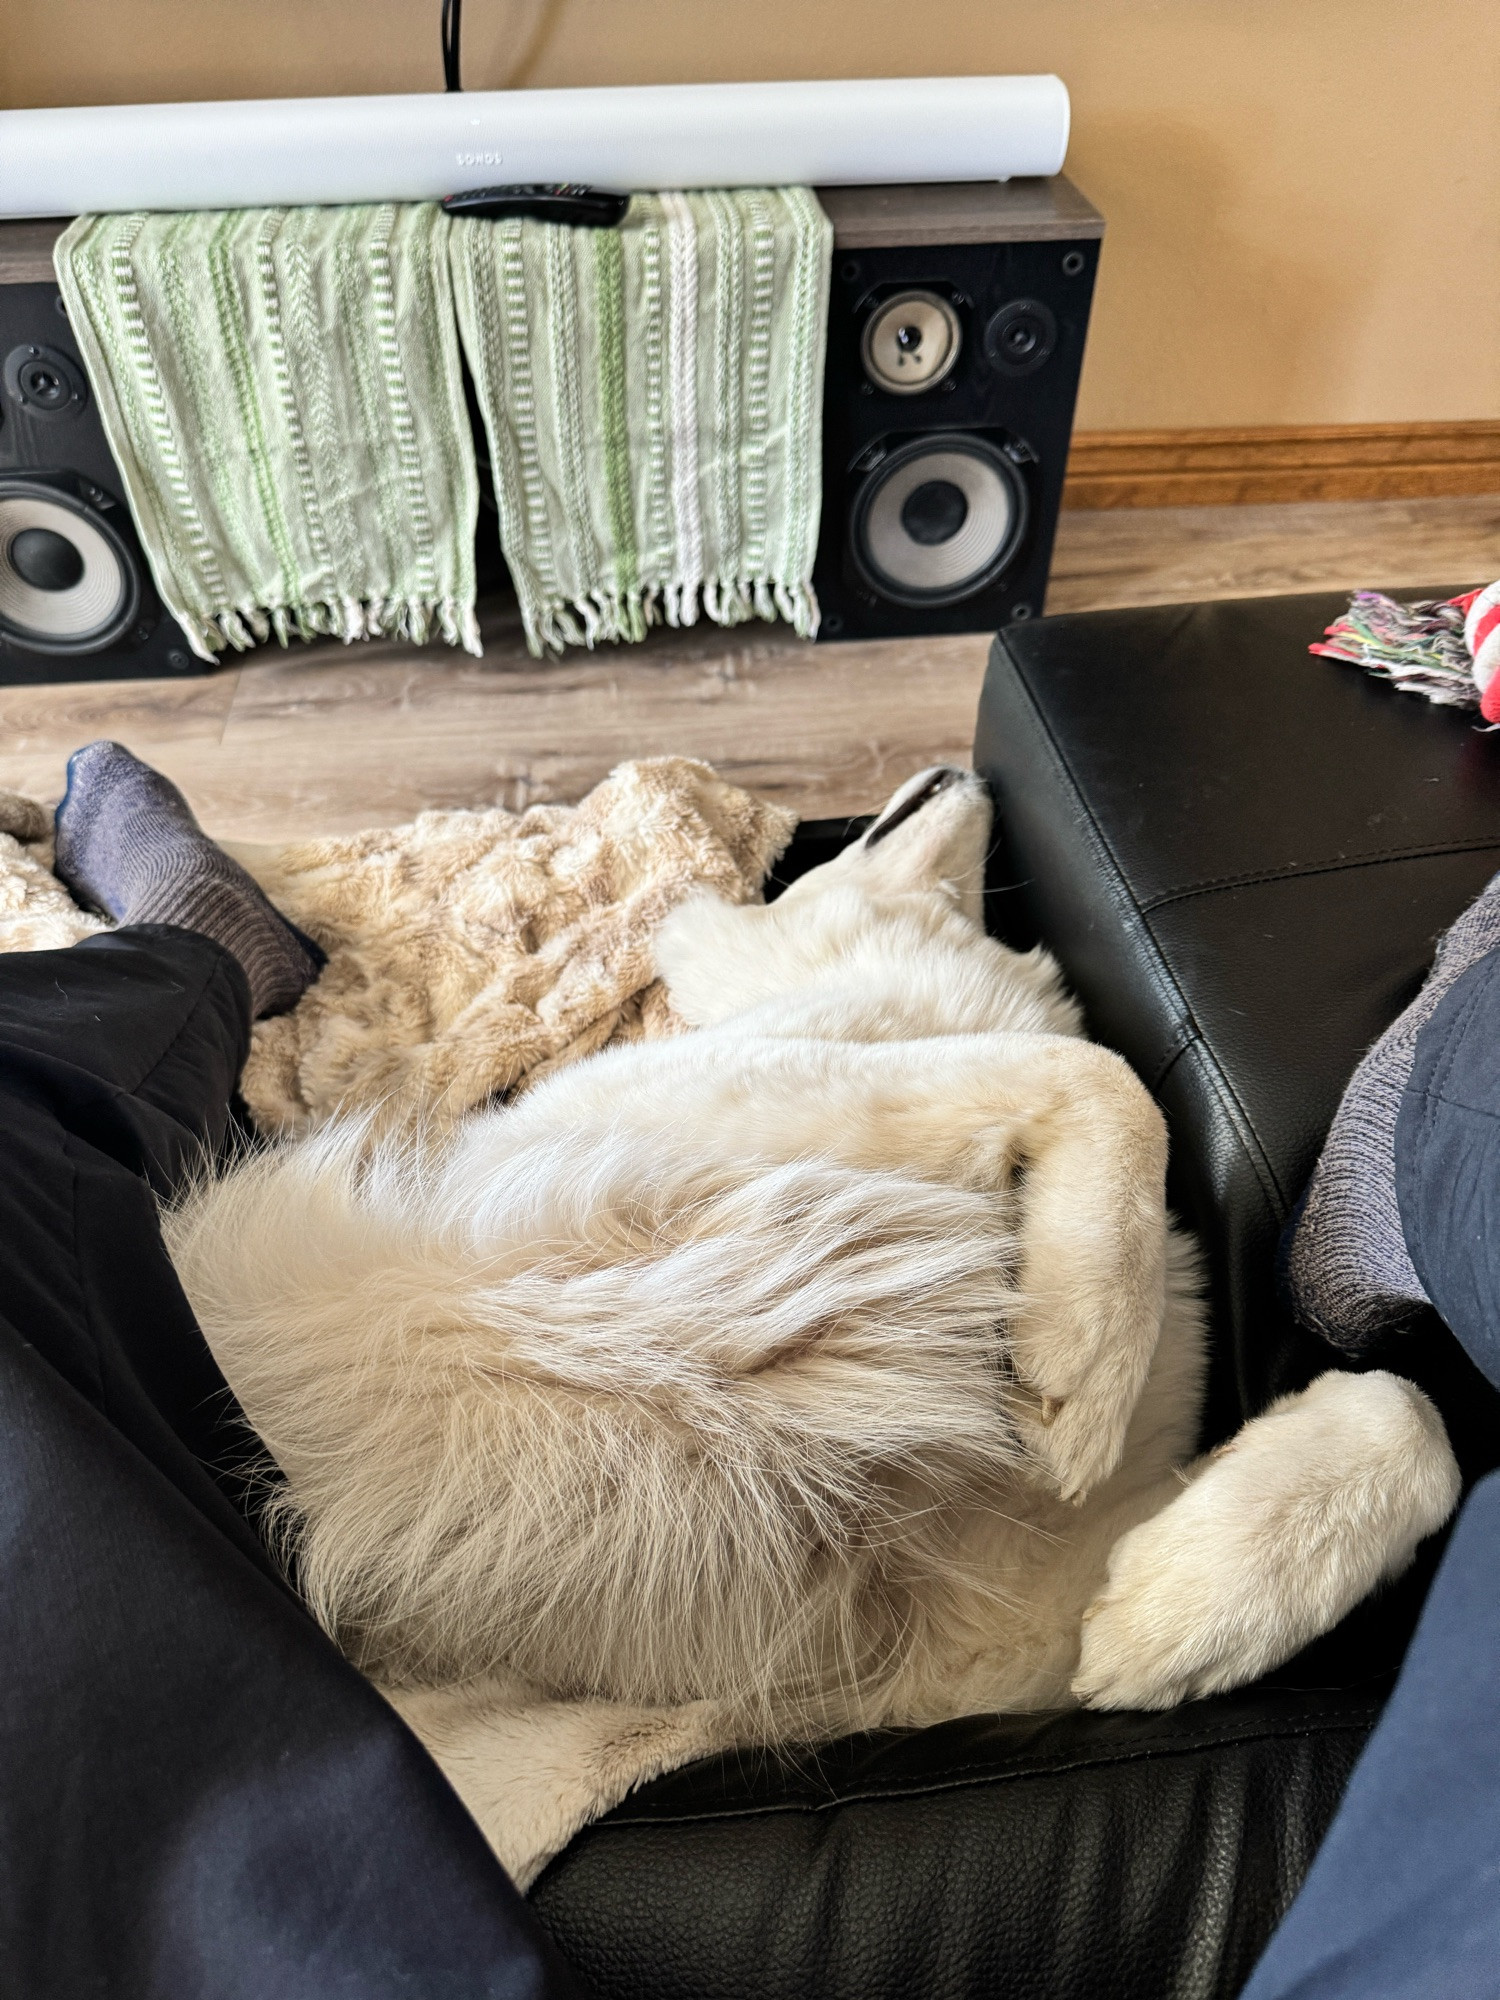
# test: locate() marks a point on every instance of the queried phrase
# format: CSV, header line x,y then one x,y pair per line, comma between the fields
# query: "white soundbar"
x,y
283,152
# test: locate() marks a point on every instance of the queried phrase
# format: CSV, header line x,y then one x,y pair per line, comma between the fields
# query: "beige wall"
x,y
1303,195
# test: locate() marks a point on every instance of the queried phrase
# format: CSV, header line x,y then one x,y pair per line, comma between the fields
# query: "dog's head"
x,y
931,839
912,885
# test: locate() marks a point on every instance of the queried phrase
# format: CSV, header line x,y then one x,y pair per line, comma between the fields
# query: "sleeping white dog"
x,y
832,1365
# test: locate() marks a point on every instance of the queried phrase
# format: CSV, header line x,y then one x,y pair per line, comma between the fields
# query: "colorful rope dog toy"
x,y
1446,649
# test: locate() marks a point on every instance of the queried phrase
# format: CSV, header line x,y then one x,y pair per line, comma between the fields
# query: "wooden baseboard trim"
x,y
1236,468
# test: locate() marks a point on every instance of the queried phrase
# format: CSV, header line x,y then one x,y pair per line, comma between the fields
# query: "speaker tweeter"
x,y
1021,337
44,382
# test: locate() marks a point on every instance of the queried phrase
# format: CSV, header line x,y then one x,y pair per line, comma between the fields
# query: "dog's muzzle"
x,y
902,810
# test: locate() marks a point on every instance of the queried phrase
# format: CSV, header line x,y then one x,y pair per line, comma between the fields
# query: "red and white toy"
x,y
1481,609
1447,649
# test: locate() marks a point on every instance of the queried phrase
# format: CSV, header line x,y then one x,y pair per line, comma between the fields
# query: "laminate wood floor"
x,y
327,739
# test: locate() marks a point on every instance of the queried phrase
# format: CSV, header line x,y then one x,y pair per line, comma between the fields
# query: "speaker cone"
x,y
911,342
68,581
938,520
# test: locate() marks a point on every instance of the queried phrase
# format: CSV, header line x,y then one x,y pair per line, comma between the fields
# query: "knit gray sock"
x,y
1344,1260
127,842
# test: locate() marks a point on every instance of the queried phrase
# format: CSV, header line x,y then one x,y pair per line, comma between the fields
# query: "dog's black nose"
x,y
934,782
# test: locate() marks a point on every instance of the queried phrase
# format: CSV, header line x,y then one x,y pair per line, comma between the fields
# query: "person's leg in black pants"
x,y
1404,1896
198,1795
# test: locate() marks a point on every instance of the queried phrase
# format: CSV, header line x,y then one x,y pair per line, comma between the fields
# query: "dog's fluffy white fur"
x,y
834,1364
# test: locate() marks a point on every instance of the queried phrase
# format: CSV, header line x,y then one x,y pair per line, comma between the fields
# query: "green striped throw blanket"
x,y
653,399
282,392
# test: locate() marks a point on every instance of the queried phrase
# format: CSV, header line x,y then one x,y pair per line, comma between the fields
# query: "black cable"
x,y
452,33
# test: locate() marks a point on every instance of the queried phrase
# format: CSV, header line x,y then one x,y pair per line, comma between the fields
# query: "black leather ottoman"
x,y
1242,857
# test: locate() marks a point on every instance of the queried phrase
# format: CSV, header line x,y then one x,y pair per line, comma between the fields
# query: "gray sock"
x,y
127,842
1345,1264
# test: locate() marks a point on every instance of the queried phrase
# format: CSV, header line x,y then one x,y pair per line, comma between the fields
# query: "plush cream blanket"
x,y
470,952
36,911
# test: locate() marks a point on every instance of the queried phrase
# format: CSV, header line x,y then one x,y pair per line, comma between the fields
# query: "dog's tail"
x,y
653,1441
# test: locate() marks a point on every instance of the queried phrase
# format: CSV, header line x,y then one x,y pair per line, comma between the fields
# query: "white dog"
x,y
834,1364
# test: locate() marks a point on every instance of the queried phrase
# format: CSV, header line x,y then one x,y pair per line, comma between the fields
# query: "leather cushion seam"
x,y
1121,895
1171,1059
1331,1722
1133,917
1298,871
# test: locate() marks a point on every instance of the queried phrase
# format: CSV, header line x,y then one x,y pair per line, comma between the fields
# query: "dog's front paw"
x,y
1072,1438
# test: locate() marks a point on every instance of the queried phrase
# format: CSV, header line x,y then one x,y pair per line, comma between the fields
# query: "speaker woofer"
x,y
938,519
68,580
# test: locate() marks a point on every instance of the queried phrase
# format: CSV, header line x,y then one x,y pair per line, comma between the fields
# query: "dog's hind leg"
x,y
1088,1150
1276,1536
1067,1138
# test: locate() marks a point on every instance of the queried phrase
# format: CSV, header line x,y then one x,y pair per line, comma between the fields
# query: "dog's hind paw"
x,y
1135,1655
1274,1537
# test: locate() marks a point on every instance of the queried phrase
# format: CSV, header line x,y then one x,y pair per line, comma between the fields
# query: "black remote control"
x,y
561,201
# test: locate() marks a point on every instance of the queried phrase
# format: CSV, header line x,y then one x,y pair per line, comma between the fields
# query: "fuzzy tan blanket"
x,y
36,911
470,952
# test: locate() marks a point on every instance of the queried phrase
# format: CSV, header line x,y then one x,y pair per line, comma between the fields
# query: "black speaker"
x,y
76,598
955,339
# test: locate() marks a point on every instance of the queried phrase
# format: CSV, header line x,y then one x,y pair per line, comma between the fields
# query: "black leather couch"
x,y
1242,856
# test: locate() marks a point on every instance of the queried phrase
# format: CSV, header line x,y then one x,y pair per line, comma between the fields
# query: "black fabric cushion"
x,y
1448,1160
1242,856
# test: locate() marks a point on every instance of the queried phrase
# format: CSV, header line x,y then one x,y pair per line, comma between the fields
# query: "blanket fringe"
x,y
600,617
609,615
418,621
